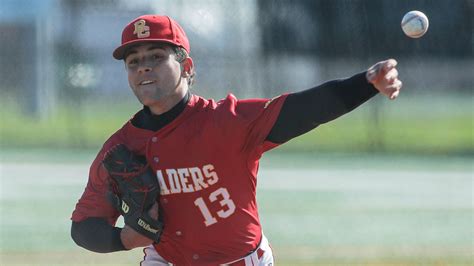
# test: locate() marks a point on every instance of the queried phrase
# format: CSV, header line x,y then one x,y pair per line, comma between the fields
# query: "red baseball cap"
x,y
151,28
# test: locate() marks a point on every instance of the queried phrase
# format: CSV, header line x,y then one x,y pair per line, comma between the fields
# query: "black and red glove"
x,y
134,190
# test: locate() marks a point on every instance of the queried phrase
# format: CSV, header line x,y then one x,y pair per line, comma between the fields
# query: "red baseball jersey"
x,y
206,161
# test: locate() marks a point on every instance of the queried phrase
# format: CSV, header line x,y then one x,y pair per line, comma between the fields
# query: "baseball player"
x,y
183,170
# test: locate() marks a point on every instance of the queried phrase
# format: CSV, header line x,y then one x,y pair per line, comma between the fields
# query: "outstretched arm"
x,y
305,110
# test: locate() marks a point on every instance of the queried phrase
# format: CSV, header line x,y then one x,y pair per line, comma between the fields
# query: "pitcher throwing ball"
x,y
183,170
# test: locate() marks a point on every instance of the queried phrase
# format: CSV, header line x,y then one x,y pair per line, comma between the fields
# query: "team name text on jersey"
x,y
186,180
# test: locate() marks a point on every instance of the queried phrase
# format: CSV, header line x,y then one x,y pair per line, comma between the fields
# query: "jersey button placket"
x,y
154,140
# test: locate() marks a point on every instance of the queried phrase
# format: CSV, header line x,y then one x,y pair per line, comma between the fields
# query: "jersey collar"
x,y
146,120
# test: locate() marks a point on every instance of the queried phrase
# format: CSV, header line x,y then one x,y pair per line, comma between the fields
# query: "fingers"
x,y
391,76
393,90
394,95
391,84
384,76
380,70
389,64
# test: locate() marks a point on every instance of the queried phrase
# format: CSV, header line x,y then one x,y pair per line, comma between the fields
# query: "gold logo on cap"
x,y
141,30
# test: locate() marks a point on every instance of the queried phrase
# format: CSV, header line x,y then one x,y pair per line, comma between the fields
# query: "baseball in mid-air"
x,y
415,24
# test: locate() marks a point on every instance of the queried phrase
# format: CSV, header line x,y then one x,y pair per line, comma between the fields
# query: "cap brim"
x,y
119,53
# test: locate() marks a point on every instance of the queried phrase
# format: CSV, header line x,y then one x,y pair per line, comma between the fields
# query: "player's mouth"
x,y
146,82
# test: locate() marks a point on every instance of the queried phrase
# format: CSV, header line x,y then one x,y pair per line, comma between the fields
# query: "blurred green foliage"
x,y
437,125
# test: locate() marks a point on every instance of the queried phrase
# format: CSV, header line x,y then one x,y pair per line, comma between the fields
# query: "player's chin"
x,y
146,94
147,101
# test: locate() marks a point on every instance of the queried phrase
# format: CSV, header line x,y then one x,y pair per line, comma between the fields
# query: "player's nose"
x,y
144,68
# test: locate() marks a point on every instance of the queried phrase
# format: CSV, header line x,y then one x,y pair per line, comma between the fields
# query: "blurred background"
x,y
389,184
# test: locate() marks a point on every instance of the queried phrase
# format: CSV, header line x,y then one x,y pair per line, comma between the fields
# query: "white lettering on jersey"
x,y
198,178
186,180
210,174
183,177
227,204
173,179
163,187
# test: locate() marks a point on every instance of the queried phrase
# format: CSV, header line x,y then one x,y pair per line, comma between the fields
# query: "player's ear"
x,y
187,67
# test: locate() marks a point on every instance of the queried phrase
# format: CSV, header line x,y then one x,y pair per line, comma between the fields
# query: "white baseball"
x,y
415,24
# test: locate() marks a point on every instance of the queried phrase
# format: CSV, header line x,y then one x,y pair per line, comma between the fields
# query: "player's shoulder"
x,y
133,137
211,106
234,106
227,103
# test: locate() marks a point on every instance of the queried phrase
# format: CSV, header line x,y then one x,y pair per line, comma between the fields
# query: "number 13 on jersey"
x,y
228,206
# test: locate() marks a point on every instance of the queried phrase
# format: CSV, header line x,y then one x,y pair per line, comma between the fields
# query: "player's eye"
x,y
157,57
132,62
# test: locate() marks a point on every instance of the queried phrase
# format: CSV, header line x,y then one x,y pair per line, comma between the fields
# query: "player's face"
x,y
154,75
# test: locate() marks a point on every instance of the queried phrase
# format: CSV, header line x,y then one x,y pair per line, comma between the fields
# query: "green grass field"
x,y
437,124
316,209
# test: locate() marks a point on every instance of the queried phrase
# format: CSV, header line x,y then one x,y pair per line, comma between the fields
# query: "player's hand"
x,y
132,239
384,76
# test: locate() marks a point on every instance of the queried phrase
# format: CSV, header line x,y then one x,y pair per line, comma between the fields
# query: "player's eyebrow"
x,y
157,46
133,50
152,47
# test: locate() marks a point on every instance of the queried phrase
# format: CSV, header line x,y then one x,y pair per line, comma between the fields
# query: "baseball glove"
x,y
134,190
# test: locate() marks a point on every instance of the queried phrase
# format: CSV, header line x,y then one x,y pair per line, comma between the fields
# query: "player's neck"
x,y
167,104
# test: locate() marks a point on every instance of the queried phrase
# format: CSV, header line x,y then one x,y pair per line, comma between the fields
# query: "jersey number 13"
x,y
228,206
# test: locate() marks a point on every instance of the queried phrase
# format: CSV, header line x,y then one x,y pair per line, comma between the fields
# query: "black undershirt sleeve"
x,y
95,234
305,110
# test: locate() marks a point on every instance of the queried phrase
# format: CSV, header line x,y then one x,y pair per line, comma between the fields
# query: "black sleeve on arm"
x,y
95,234
305,110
